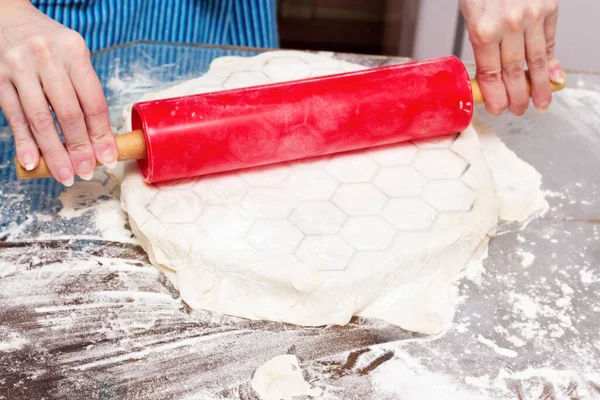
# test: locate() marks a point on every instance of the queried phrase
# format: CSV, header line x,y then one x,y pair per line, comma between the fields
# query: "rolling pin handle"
x,y
478,95
131,146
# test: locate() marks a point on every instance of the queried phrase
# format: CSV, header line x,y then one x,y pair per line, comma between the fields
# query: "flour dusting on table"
x,y
85,314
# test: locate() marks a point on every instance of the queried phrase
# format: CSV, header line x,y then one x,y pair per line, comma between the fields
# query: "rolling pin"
x,y
223,131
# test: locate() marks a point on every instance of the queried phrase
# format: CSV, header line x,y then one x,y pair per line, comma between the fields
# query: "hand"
x,y
43,64
505,35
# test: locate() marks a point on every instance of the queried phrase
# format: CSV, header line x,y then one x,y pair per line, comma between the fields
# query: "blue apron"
x,y
106,23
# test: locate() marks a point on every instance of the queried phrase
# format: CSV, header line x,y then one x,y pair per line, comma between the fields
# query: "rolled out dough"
x,y
381,234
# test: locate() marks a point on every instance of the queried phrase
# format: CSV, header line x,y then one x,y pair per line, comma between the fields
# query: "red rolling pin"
x,y
223,131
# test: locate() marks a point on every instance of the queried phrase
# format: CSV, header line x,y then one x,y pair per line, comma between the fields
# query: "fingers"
x,y
556,71
505,36
537,62
92,100
27,150
59,91
513,72
43,129
489,67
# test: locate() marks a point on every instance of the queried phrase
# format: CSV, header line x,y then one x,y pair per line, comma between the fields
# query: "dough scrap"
x,y
380,234
281,378
517,183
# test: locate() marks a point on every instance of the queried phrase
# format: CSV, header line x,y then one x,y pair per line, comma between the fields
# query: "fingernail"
x,y
87,177
558,78
28,161
86,172
543,109
69,182
66,178
111,165
109,159
557,74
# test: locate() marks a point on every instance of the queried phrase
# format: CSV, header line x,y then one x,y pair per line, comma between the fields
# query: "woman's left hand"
x,y
506,35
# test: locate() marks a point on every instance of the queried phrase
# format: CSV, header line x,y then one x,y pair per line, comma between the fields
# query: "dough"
x,y
281,378
517,183
380,234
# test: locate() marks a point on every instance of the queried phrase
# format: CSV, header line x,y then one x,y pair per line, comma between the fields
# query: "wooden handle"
x,y
131,146
478,96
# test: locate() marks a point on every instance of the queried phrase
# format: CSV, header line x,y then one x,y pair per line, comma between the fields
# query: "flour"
x,y
89,210
129,325
556,314
10,341
526,306
475,269
497,349
568,99
405,377
99,198
527,258
84,198
588,276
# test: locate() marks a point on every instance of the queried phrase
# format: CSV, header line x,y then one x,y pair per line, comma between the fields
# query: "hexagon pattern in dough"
x,y
359,199
174,207
286,69
352,169
409,214
440,164
340,234
325,253
318,218
400,182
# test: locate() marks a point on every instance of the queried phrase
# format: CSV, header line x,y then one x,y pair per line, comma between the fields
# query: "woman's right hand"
x,y
44,64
